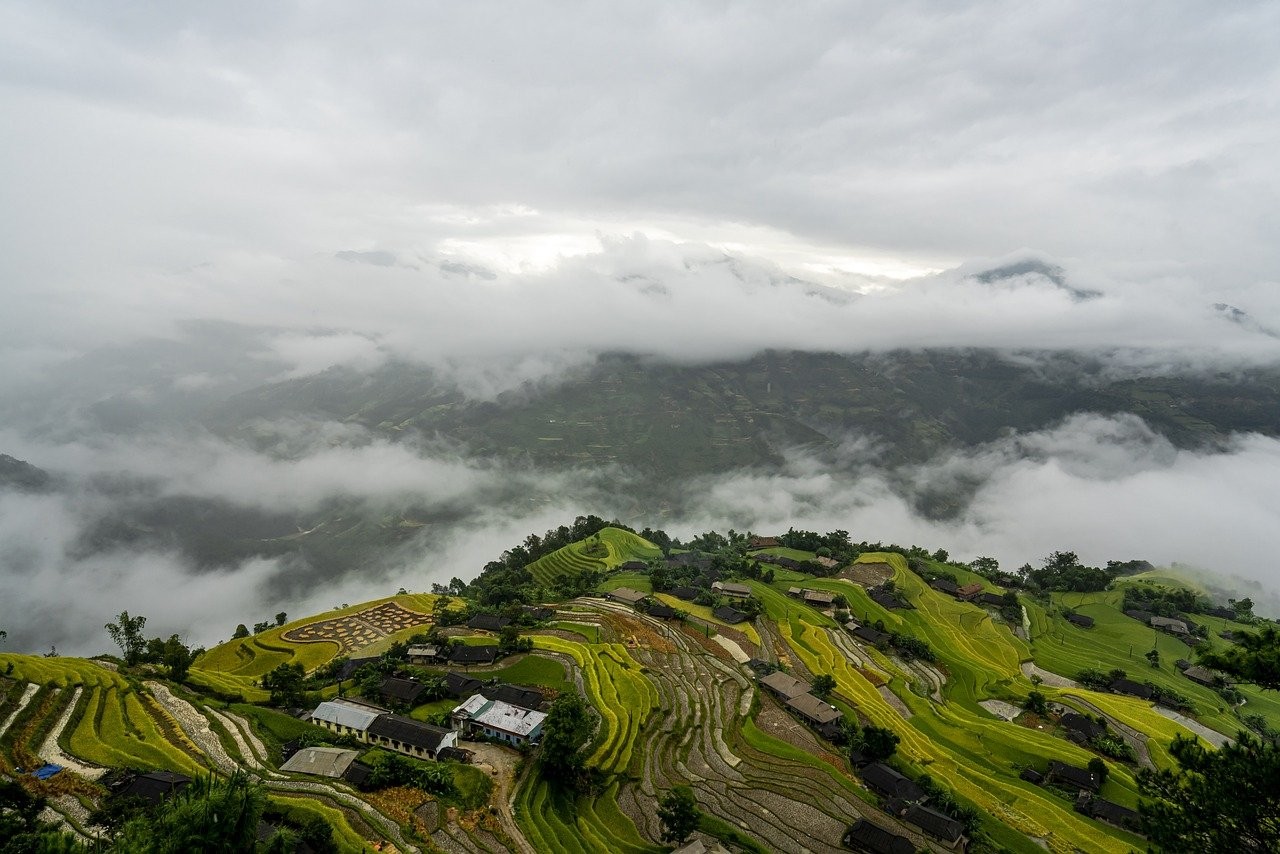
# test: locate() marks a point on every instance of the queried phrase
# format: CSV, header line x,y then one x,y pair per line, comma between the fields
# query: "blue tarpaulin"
x,y
46,772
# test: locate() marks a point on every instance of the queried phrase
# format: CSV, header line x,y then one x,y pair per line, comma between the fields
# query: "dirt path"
x,y
1212,736
1053,680
500,763
27,694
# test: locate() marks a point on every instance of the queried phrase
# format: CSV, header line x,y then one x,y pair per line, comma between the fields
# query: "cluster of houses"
x,y
1086,784
1181,628
905,800
820,599
506,713
724,613
967,592
796,696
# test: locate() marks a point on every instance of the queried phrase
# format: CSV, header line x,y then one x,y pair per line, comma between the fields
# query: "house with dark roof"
x,y
358,774
488,622
152,787
1083,724
1031,775
943,585
686,593
885,781
626,595
460,684
1080,620
784,685
634,566
538,613
662,612
351,665
401,692
1071,777
515,695
940,826
989,600
873,839
871,636
814,710
465,654
1203,676
1140,615
725,614
410,737
1221,611
424,654
1182,664
1133,689
967,591
886,600
1111,813
756,543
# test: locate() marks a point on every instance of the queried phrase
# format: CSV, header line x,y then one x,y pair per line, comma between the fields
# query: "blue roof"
x,y
45,772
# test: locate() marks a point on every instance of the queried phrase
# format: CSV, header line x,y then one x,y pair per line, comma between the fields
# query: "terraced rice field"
x,y
619,546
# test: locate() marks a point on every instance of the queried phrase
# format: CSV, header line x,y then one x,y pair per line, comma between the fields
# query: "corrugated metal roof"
x,y
341,713
322,761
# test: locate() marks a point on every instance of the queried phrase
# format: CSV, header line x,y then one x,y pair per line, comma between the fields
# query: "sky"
x,y
501,191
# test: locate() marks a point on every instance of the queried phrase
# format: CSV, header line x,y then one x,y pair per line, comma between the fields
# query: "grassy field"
x,y
634,580
601,552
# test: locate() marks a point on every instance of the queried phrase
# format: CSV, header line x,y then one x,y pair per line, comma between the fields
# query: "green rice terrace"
x,y
781,697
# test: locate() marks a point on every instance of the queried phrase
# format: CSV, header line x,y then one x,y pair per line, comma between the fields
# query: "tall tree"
x,y
1254,658
564,734
1223,801
823,685
285,684
679,814
126,632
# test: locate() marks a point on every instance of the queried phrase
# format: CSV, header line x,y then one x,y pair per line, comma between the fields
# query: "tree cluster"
x,y
172,654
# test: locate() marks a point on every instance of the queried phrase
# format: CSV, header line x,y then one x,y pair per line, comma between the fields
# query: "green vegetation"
x,y
600,552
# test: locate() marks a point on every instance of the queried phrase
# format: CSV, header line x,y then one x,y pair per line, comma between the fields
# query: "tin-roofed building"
x,y
346,717
502,721
321,761
410,737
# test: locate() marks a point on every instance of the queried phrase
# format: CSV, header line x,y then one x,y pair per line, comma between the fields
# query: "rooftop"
x,y
785,685
321,761
345,713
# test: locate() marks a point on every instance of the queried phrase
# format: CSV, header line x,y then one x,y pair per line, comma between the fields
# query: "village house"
x,y
401,692
819,599
502,721
1143,617
152,787
940,826
871,636
995,600
466,654
410,737
943,585
460,684
757,543
1082,725
731,589
1133,689
488,622
966,592
813,710
515,695
626,596
1080,620
424,654
888,783
321,761
1071,777
826,562
351,665
874,839
346,717
662,612
1170,625
726,614
686,593
1203,676
634,566
1112,813
886,600
539,613
784,685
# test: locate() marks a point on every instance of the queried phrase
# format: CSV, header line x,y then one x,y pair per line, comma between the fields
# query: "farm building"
x,y
1082,724
351,665
346,717
465,654
1221,611
1112,813
1080,620
885,781
698,846
538,613
826,562
725,614
626,595
795,592
814,710
152,787
968,591
404,692
460,684
870,635
1071,777
819,598
940,826
634,566
1203,676
686,593
410,737
874,839
321,761
488,622
784,685
728,588
943,585
1031,775
757,543
358,774
1170,625
886,600
499,720
1133,689
663,612
995,600
1139,615
424,654
514,694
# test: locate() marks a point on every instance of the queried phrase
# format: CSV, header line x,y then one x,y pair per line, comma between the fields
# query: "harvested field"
x,y
354,631
870,574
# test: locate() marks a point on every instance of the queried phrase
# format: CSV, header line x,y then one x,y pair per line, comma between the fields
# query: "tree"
x,y
285,684
877,743
211,814
1154,657
564,733
283,618
1253,659
1224,800
679,814
1099,767
242,631
823,685
1036,703
126,632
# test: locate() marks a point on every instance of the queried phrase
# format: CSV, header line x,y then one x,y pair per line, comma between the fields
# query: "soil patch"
x,y
867,574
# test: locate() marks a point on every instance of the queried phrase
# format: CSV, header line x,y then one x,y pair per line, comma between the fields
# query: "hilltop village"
x,y
601,689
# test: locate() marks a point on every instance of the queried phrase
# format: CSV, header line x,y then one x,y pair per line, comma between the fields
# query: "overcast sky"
x,y
502,190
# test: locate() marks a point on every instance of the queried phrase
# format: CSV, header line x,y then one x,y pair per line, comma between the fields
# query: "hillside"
x,y
675,702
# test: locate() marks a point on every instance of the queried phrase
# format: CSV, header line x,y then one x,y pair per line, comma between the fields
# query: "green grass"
x,y
348,841
277,726
534,670
702,612
634,580
616,546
